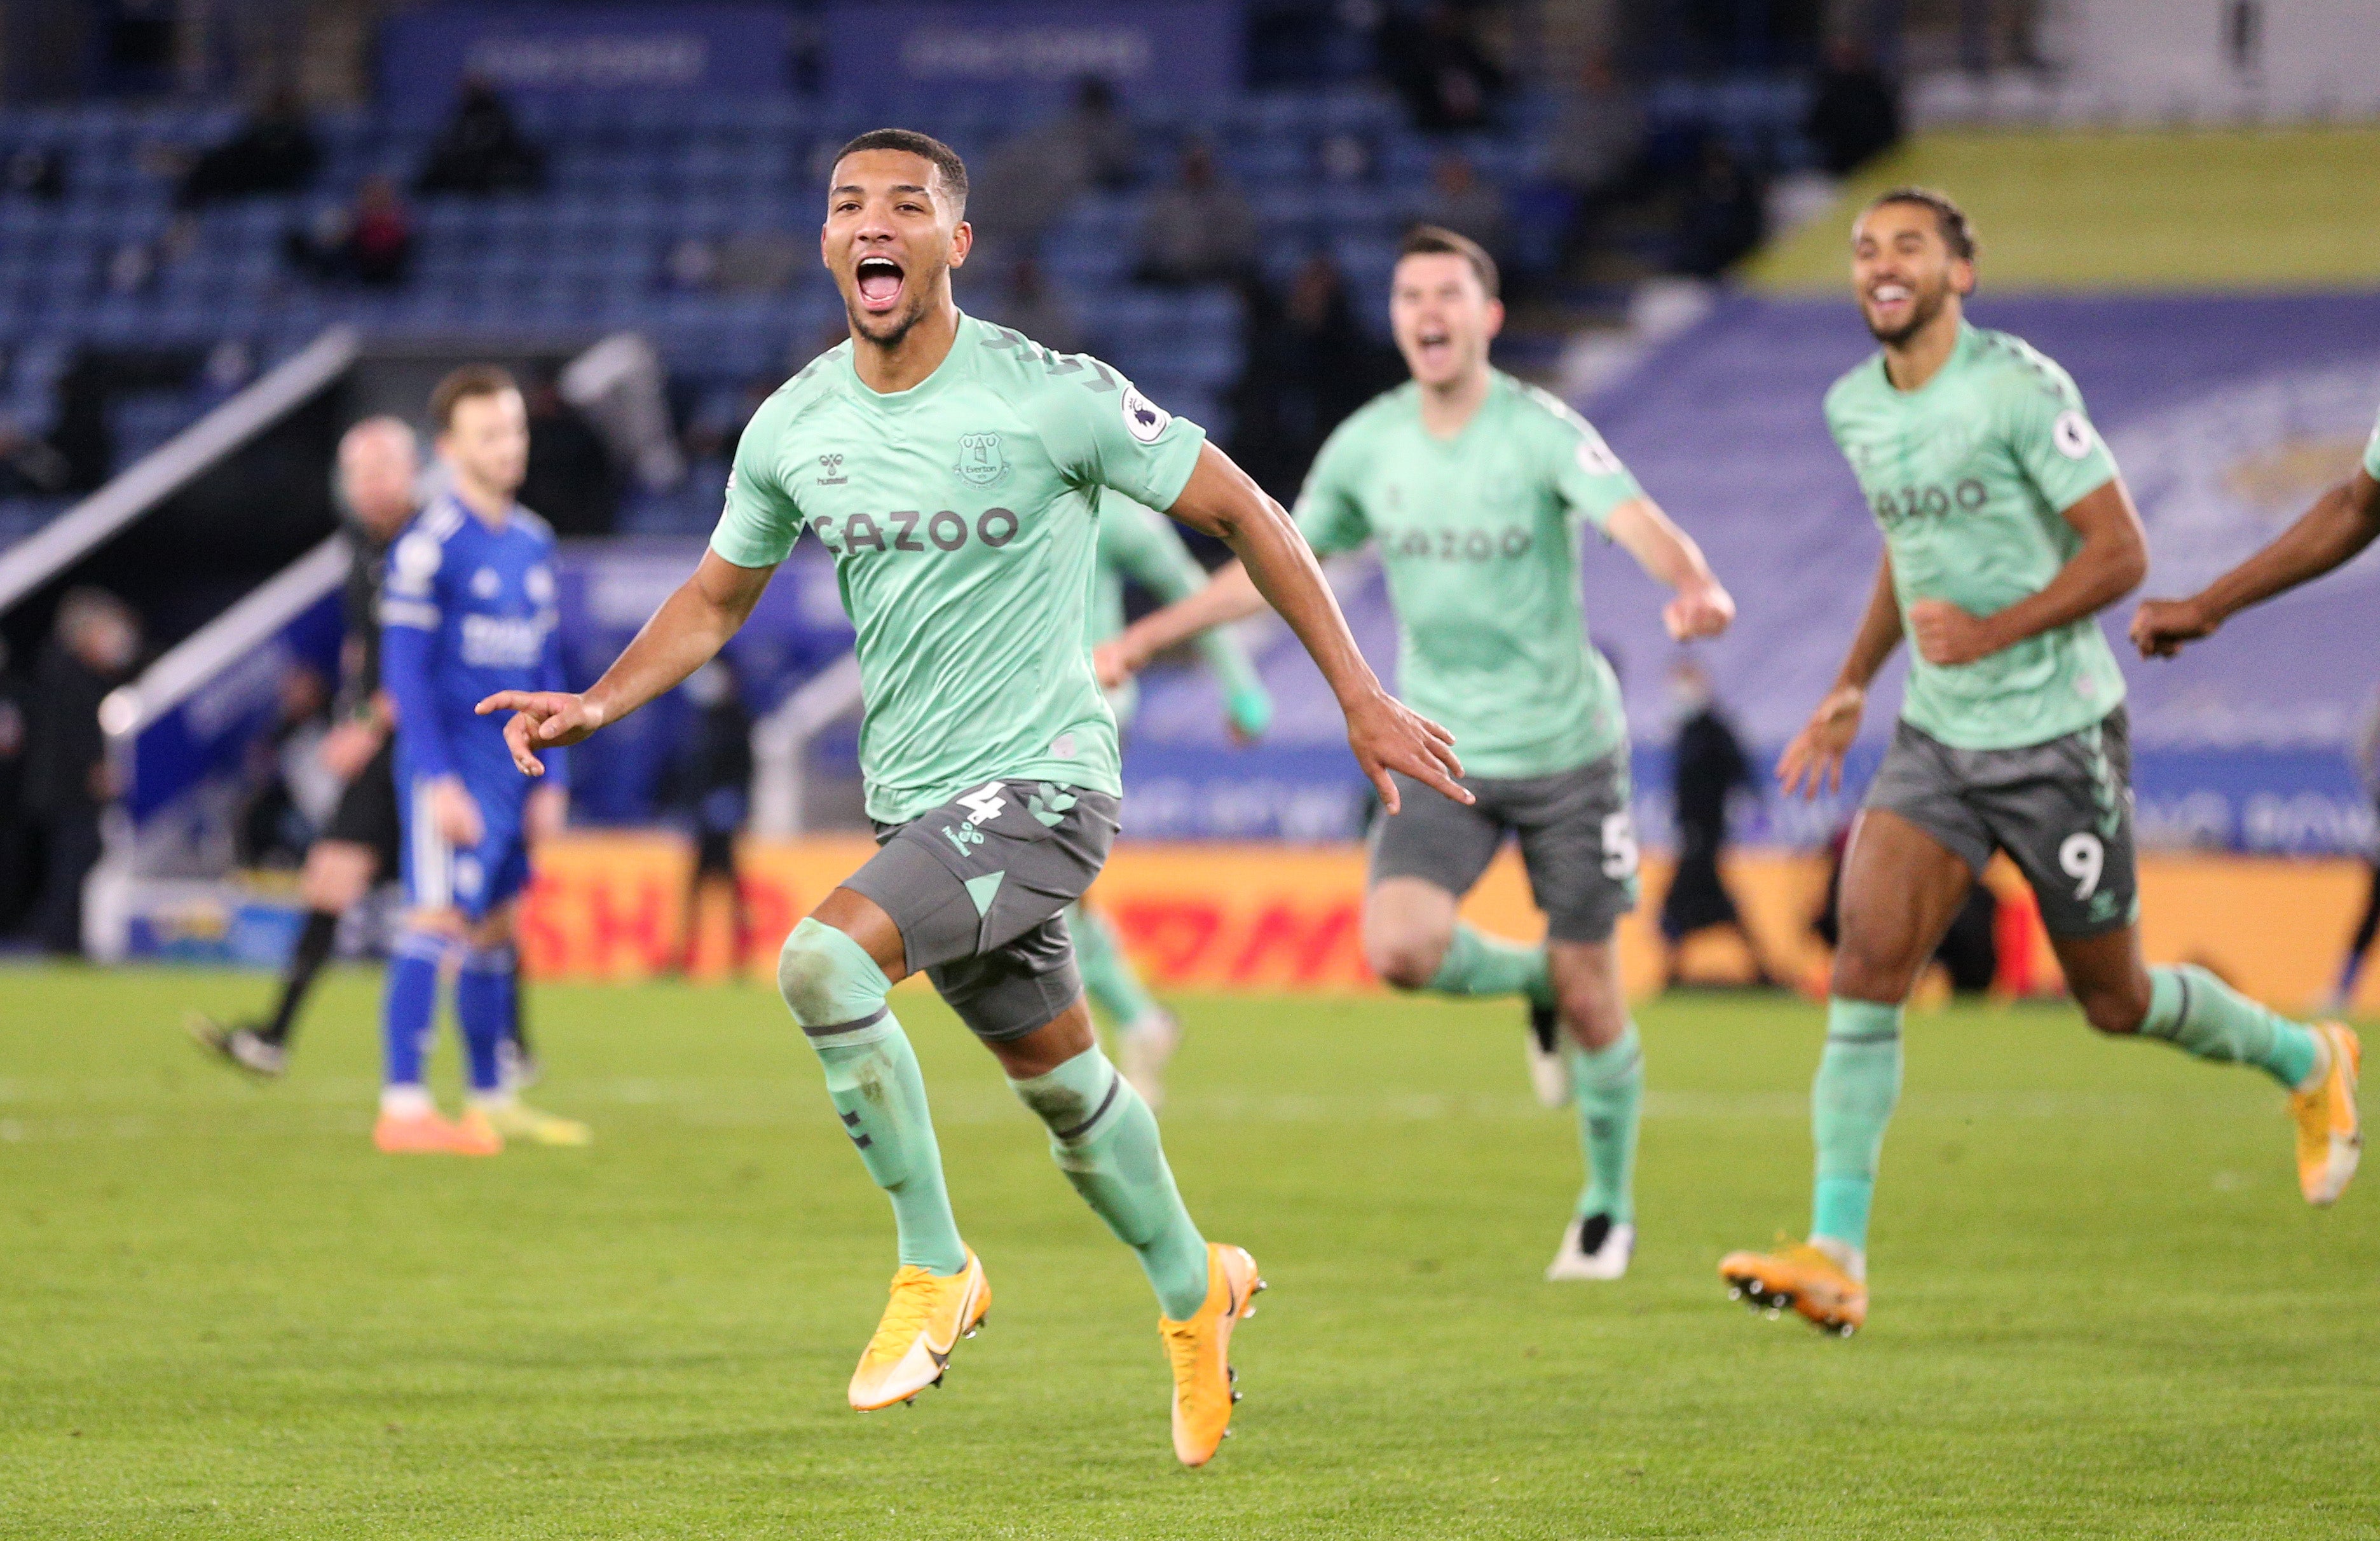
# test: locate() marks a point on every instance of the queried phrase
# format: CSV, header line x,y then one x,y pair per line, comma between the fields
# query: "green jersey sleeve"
x,y
1589,479
761,521
1115,437
2052,438
2371,454
1328,512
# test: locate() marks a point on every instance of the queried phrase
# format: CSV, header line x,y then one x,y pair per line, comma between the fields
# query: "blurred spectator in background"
x,y
34,172
28,466
2350,968
481,150
274,152
1854,110
711,783
1597,150
571,483
289,794
1707,765
1027,184
1199,229
15,839
1436,62
369,242
92,650
1465,202
1029,305
1724,214
1309,363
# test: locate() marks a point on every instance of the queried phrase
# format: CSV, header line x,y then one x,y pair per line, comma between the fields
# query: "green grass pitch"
x,y
2102,1309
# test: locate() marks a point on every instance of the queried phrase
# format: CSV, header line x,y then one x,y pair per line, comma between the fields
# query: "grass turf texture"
x,y
2102,1309
2206,211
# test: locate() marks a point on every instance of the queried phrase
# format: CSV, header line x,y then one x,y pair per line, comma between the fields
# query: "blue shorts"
x,y
476,879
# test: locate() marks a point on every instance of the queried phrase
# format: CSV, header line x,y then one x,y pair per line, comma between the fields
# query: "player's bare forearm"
x,y
1276,566
685,632
1879,633
1230,595
2341,523
1703,606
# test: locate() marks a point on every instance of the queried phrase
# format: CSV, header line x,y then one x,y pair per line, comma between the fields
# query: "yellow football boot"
x,y
1201,1351
517,1121
1802,1277
923,1321
2330,1134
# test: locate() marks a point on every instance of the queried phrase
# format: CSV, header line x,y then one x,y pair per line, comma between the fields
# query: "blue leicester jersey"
x,y
467,610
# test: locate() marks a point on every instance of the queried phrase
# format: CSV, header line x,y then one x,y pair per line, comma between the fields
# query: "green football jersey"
x,y
963,517
1479,536
1138,543
1969,474
2371,454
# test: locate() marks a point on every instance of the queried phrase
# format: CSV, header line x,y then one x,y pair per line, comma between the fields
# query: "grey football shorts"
x,y
1577,841
2063,811
978,887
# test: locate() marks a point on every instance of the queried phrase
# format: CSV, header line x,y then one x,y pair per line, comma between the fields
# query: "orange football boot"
x,y
428,1133
1802,1277
2330,1133
922,1323
1201,1351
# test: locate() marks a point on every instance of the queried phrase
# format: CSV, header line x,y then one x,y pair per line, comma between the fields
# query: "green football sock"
x,y
1108,975
1610,1096
2200,1014
872,1075
1480,965
1104,1139
1859,1081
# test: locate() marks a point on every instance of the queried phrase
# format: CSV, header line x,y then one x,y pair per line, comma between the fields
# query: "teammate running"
x,y
1138,543
1473,487
378,464
959,472
468,608
2006,529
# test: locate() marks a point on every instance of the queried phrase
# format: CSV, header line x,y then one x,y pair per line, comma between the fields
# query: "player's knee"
x,y
1868,969
1403,963
827,978
2118,1010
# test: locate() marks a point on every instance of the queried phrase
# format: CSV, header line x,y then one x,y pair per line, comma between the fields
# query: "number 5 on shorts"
x,y
1619,845
2083,859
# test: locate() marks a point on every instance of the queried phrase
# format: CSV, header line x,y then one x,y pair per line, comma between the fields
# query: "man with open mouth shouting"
x,y
957,472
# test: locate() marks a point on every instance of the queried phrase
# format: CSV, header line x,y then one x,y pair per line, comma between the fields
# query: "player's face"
x,y
376,471
1442,316
487,441
892,234
1902,272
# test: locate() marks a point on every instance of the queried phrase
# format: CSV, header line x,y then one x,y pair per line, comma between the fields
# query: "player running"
x,y
468,608
2006,529
1473,487
959,473
1136,541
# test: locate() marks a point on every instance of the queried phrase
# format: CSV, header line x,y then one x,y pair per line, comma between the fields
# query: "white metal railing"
x,y
781,743
165,470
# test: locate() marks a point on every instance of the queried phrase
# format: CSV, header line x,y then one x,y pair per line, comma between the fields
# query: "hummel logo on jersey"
x,y
831,471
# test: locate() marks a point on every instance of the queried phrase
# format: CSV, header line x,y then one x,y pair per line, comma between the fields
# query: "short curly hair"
x,y
1958,231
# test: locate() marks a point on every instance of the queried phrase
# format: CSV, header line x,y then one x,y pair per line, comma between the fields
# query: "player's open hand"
x,y
2161,626
542,720
1946,635
1389,735
455,813
1699,609
1814,761
1114,662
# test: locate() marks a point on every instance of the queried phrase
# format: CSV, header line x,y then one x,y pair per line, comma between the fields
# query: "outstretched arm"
x,y
691,626
1813,760
1702,608
1230,595
1147,547
1278,566
2113,559
2340,524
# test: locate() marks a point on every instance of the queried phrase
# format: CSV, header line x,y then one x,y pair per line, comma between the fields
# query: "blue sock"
x,y
483,1005
409,1006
